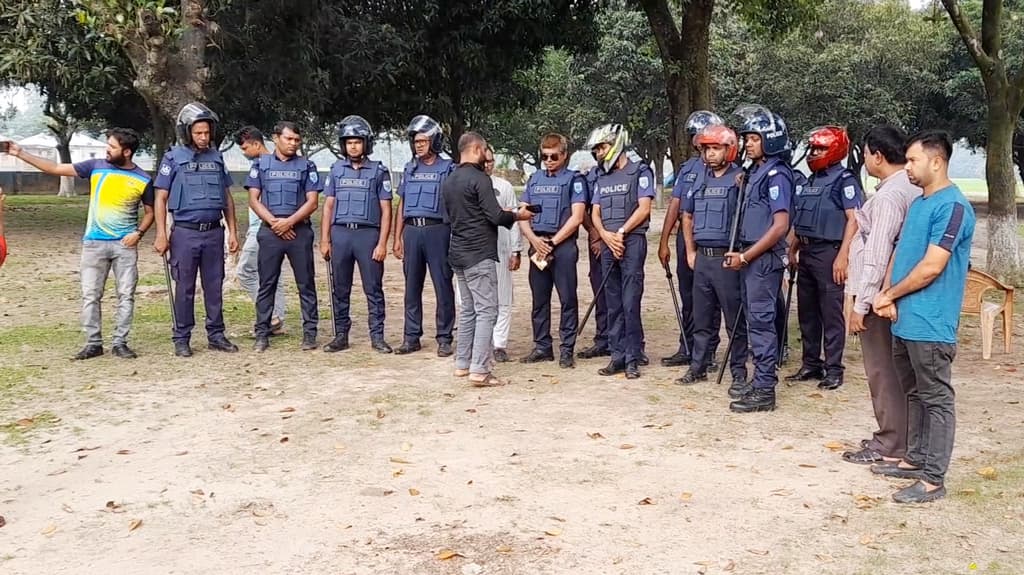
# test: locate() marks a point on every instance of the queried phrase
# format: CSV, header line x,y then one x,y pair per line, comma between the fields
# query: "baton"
x,y
170,291
675,304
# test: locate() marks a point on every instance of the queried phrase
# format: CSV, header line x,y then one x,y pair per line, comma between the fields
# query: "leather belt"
x,y
423,222
357,226
712,252
817,241
197,226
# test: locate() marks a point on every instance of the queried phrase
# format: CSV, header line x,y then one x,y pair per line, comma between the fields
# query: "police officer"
x,y
708,210
760,254
562,195
422,236
595,246
622,208
354,230
193,185
824,225
284,191
683,184
782,312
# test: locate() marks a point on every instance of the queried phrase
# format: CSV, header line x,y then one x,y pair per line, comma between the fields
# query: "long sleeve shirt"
x,y
879,222
474,214
509,240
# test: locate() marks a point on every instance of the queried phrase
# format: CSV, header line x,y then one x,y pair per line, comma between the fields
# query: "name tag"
x,y
425,177
716,192
547,189
809,191
353,183
616,189
203,167
282,174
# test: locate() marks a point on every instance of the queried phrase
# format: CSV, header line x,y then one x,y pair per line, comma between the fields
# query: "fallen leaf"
x,y
646,501
67,508
413,491
2,521
758,551
50,530
787,447
446,554
339,447
835,446
815,395
283,440
999,549
287,410
400,461
397,472
57,472
503,548
134,524
554,381
553,532
228,407
967,491
80,449
557,518
595,435
406,446
180,453
25,422
326,419
686,496
808,465
689,406
989,473
470,410
627,446
115,507
866,539
730,565
380,413
198,492
782,492
824,558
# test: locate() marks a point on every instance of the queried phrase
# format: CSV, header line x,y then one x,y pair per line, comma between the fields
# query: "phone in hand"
x,y
5,146
535,208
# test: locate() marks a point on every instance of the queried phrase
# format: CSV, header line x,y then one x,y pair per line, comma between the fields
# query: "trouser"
x,y
623,294
684,275
924,370
887,395
351,248
99,257
426,248
716,288
478,290
197,253
820,308
248,274
560,275
273,249
505,300
760,284
596,276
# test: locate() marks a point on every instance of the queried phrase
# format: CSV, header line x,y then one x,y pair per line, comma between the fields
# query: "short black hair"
x,y
888,140
127,138
248,134
470,139
935,141
283,125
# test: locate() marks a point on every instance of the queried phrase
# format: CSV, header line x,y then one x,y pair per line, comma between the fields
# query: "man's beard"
x,y
119,161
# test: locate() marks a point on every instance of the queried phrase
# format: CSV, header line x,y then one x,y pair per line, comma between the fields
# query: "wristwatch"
x,y
743,259
621,231
517,253
140,232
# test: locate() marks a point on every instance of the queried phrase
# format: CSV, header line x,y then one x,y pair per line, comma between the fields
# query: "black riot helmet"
x,y
356,127
196,112
426,125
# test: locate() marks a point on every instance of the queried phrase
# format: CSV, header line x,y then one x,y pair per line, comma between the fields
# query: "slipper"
x,y
276,327
488,381
461,372
865,456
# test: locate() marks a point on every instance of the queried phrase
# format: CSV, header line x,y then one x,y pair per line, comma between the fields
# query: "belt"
x,y
817,241
423,222
302,223
357,226
199,227
712,252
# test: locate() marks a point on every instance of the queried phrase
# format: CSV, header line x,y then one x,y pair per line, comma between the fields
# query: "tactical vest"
x,y
422,185
714,204
758,214
819,206
689,174
355,193
283,184
617,196
554,195
199,183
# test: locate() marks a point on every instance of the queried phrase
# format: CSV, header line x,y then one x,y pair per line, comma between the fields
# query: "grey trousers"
x,y
248,272
887,395
99,257
924,370
478,290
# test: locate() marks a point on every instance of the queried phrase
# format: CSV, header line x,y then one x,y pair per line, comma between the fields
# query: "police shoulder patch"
x,y
387,184
645,182
313,176
690,177
773,192
165,169
254,172
772,172
577,188
850,192
799,189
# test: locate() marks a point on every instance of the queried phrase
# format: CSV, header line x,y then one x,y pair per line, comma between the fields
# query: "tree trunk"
x,y
67,183
1018,152
1003,259
163,133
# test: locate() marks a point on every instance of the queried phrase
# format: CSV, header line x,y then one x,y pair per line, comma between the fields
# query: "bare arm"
x,y
640,215
42,164
671,217
385,223
571,225
691,243
257,206
922,275
305,210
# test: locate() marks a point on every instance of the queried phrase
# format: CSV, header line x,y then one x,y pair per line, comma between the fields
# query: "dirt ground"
x,y
358,463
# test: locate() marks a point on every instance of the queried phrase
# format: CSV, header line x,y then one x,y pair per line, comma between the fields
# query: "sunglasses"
x,y
551,157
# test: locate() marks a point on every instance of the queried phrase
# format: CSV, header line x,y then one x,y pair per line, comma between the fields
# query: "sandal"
x,y
865,456
461,372
488,381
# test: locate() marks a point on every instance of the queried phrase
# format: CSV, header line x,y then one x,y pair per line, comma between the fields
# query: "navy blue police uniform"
x,y
596,276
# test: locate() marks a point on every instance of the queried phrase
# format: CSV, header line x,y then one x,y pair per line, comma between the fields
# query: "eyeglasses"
x,y
551,157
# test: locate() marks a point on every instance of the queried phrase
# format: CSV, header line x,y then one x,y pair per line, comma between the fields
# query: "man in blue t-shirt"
x,y
929,271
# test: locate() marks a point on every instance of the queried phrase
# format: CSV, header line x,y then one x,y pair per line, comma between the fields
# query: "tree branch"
x,y
991,33
666,34
963,26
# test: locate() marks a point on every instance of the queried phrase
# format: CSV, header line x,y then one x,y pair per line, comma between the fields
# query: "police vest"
x,y
422,185
617,196
714,204
819,206
355,192
282,184
554,195
758,215
199,183
689,175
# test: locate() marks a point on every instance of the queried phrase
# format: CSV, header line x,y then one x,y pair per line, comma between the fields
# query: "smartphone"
x,y
5,147
535,208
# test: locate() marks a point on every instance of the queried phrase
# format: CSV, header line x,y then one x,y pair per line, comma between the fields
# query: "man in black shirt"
x,y
475,215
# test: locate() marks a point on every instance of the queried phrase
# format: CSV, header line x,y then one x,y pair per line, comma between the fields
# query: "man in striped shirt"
x,y
879,222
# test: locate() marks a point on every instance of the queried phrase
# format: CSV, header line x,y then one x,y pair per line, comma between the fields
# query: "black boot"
x,y
309,343
632,370
806,374
760,399
88,352
537,356
182,349
740,387
261,345
222,344
565,360
612,368
691,377
593,351
381,346
408,347
339,343
677,359
444,349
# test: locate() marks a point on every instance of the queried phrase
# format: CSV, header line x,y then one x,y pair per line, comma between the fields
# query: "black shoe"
x,y
593,351
565,360
182,349
500,355
691,377
444,349
677,359
805,374
918,493
309,343
261,345
89,352
760,399
632,371
122,351
893,469
222,344
379,345
407,347
339,343
644,360
714,366
612,369
740,388
537,356
831,382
